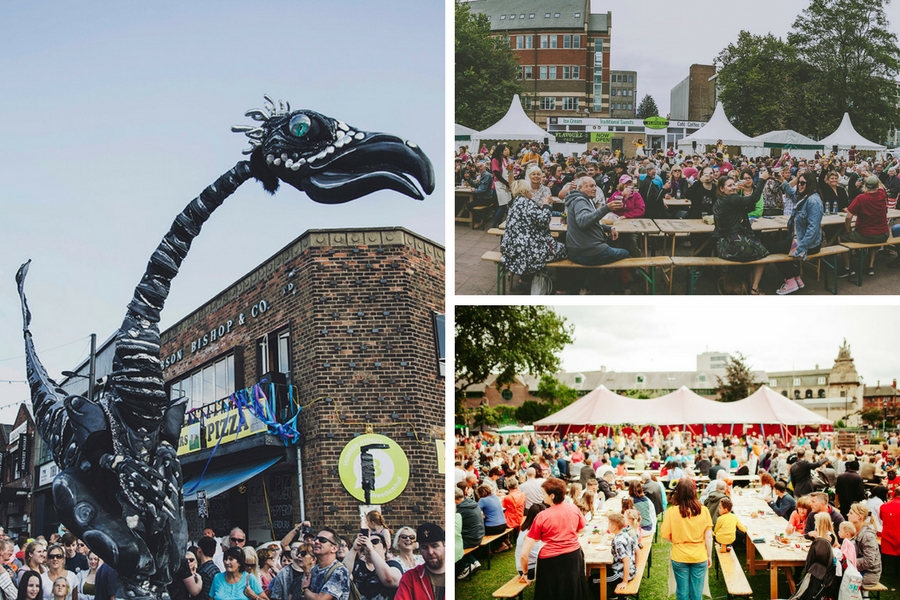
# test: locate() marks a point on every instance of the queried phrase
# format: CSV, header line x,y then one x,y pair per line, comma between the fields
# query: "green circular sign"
x,y
375,464
656,122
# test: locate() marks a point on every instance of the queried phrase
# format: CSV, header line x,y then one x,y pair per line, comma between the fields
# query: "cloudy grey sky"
x,y
115,115
661,40
773,337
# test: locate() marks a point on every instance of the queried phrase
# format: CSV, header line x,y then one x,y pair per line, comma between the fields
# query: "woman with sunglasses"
x,y
56,559
404,545
804,227
375,576
235,583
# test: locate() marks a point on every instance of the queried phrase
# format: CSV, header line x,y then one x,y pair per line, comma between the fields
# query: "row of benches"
x,y
647,265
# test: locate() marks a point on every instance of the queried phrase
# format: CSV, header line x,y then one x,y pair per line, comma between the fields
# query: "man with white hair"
x,y
587,239
532,489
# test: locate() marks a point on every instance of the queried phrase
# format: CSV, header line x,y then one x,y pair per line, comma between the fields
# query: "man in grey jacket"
x,y
587,239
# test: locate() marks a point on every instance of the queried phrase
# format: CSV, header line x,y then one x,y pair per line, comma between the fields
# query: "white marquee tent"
x,y
464,133
791,142
515,125
719,128
846,136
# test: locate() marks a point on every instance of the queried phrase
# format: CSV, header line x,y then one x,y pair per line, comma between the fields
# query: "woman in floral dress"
x,y
527,245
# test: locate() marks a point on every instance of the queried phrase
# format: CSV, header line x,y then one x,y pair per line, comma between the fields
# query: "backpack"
x,y
354,593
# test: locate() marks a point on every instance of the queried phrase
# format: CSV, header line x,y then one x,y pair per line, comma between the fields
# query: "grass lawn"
x,y
483,582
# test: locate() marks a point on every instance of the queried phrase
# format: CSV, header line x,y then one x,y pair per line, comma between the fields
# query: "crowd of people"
x,y
591,191
549,486
307,564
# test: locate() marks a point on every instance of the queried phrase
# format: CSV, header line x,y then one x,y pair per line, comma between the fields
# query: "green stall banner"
x,y
601,137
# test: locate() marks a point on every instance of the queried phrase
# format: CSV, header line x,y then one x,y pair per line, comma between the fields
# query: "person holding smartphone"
x,y
375,576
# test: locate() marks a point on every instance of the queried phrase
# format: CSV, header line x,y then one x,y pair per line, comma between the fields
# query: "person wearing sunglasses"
x,y
56,561
329,579
237,537
375,576
404,545
427,579
288,583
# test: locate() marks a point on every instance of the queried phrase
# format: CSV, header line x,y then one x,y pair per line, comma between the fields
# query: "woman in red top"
x,y
560,565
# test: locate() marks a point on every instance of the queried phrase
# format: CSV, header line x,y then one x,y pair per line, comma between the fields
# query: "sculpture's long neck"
x,y
137,377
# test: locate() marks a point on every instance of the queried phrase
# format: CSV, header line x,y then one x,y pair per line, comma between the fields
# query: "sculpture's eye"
x,y
299,125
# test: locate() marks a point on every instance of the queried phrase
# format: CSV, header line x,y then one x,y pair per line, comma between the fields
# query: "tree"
x,y
558,394
532,411
485,415
485,71
647,107
738,382
763,86
873,416
505,341
857,62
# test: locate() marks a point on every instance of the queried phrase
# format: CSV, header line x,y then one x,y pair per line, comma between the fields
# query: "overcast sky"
x,y
115,115
773,337
661,40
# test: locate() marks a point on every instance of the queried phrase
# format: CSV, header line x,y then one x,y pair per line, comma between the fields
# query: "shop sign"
x,y
441,446
687,124
227,427
15,433
189,440
600,137
47,473
219,331
571,136
656,122
373,469
202,506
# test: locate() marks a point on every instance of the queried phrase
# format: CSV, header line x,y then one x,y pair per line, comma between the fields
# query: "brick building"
x,y
885,398
17,472
347,325
563,52
694,98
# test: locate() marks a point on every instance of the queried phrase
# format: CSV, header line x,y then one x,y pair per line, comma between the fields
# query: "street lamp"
x,y
92,374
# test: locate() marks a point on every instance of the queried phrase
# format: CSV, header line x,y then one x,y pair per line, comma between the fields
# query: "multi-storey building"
x,y
694,98
623,100
563,52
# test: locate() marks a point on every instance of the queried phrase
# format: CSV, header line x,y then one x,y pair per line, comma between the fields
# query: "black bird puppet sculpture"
x,y
120,485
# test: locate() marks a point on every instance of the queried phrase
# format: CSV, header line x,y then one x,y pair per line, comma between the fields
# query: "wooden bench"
x,y
486,542
645,265
511,589
478,212
877,588
501,232
736,583
862,255
633,588
696,264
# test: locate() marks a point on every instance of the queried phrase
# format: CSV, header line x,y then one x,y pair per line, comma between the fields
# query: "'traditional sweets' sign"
x,y
373,468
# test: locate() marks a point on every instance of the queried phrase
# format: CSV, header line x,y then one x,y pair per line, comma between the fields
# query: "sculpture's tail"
x,y
137,381
46,395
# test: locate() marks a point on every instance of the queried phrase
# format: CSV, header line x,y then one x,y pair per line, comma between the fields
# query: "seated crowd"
x,y
507,484
307,563
591,191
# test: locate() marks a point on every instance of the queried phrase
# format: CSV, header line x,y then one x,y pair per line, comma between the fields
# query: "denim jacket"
x,y
807,219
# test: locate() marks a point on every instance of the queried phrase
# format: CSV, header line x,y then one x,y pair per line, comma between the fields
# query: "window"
x,y
576,41
784,393
552,73
631,79
512,17
796,381
543,72
520,42
555,15
528,41
567,41
570,104
576,72
773,383
613,92
567,72
274,353
809,393
630,106
702,378
553,40
796,394
526,101
577,15
544,41
598,53
821,393
506,394
640,378
546,15
207,384
528,74
548,103
531,16
579,379
843,394
821,381
502,17
521,16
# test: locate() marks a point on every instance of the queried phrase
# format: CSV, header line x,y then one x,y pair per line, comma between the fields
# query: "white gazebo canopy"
x,y
846,136
464,133
719,128
515,125
791,142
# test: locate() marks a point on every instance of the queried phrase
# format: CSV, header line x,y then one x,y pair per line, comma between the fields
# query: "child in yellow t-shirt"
x,y
727,525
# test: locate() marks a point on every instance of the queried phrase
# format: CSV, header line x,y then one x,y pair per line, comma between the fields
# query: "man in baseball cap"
x,y
870,210
426,581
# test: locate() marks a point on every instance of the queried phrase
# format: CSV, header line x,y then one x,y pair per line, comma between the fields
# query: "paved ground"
x,y
476,277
